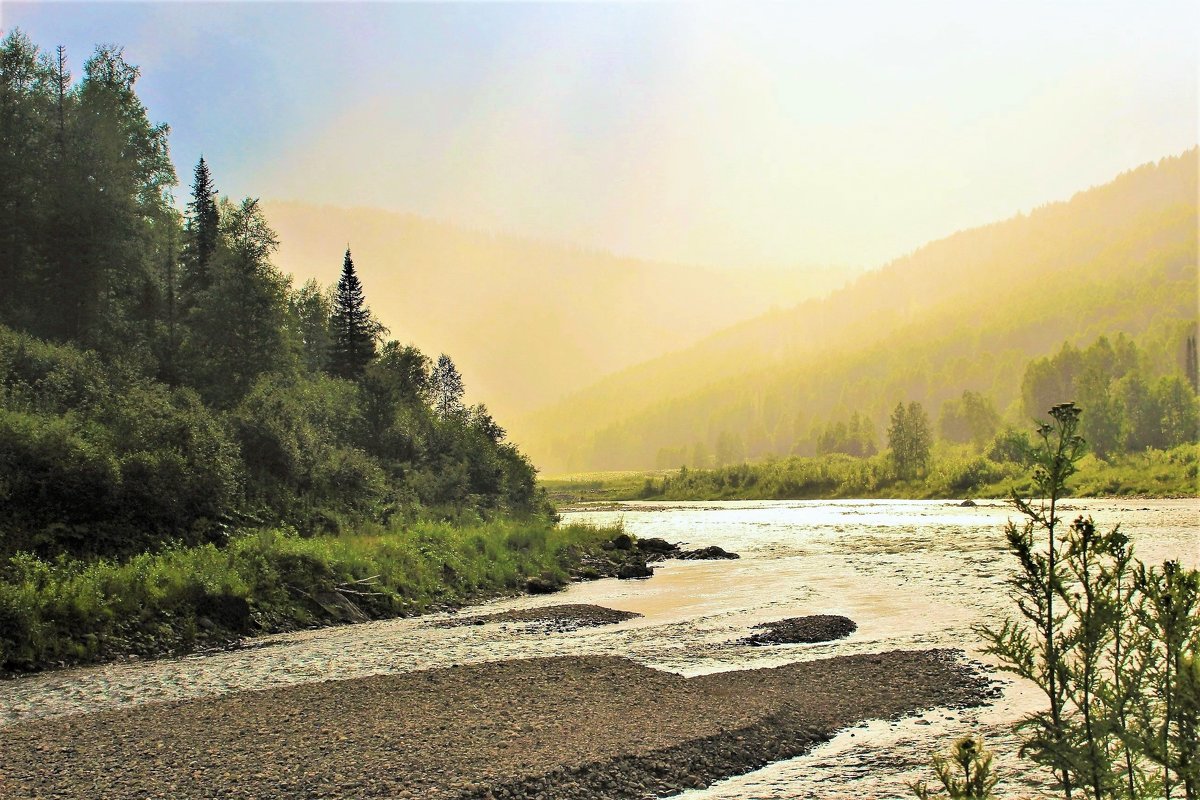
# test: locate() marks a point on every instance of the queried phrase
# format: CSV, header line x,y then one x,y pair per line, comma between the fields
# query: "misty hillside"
x,y
526,322
965,312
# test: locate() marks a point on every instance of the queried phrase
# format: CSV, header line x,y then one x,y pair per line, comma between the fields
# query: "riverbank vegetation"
x,y
162,381
191,447
953,474
179,599
1112,643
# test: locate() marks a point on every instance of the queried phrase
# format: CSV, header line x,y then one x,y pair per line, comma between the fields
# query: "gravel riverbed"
x,y
591,726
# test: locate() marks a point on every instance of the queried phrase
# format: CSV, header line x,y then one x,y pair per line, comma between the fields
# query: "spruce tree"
x,y
237,328
352,329
203,229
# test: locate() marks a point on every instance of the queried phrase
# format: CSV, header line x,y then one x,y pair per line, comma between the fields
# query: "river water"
x,y
912,574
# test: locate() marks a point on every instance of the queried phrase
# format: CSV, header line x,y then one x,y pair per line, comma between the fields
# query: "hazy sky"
x,y
812,133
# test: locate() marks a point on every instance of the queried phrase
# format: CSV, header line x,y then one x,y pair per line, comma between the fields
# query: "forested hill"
x,y
530,321
963,313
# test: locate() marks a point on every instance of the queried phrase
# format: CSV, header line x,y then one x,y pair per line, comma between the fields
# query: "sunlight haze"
x,y
596,401
732,135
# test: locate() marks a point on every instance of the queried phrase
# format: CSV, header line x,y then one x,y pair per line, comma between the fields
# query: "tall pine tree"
x,y
203,233
352,330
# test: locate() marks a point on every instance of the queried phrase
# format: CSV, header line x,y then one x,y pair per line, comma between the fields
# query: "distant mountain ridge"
x,y
526,321
964,312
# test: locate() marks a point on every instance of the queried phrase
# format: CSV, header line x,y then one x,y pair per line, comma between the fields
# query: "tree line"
x,y
1128,405
161,379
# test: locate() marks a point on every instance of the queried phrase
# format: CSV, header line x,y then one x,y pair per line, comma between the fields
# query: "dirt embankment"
x,y
596,726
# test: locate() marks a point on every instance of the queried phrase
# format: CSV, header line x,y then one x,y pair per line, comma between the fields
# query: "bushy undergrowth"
x,y
1150,472
96,460
265,580
833,475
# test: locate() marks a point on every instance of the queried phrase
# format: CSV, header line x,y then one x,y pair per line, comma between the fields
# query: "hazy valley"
x,y
527,321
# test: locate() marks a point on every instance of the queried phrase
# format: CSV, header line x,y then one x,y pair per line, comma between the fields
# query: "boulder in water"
x,y
635,569
712,552
539,584
657,546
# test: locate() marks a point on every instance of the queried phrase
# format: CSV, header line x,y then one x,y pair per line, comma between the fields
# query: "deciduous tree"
x,y
909,439
446,388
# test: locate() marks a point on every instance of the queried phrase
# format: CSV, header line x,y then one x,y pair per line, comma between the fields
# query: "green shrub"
x,y
67,611
1111,643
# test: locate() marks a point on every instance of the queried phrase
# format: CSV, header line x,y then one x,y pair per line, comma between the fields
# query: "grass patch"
x,y
593,486
953,475
182,599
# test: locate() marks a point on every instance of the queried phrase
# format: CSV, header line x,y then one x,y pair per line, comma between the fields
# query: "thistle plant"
x,y
965,774
1169,713
1111,643
1032,645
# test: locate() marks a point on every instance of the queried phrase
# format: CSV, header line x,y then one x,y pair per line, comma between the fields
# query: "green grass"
x,y
183,599
953,473
595,486
1153,473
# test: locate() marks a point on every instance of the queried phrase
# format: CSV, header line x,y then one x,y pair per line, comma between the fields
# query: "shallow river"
x,y
912,574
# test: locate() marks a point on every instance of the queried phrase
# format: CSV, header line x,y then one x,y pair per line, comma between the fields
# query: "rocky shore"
x,y
627,557
592,726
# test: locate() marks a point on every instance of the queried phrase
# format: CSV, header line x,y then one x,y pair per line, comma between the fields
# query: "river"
x,y
912,574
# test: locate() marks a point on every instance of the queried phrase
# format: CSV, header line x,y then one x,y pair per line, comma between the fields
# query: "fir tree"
x,y
352,329
203,229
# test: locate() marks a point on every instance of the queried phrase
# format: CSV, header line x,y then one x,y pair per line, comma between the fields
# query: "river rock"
x,y
225,610
967,504
711,552
635,569
657,546
622,541
537,584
